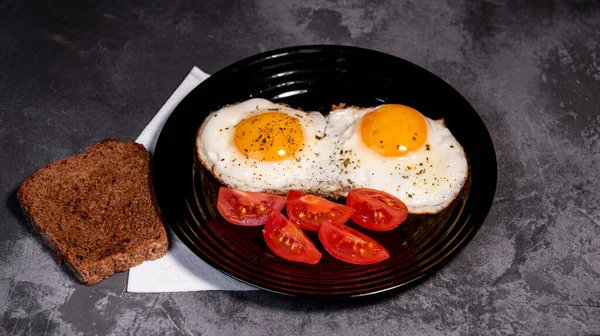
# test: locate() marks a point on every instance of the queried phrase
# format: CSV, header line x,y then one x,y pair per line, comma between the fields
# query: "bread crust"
x,y
59,215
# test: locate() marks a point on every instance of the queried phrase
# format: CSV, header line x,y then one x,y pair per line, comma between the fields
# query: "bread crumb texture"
x,y
97,210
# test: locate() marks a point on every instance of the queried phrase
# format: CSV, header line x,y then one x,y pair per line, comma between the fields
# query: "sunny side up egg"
x,y
394,148
261,146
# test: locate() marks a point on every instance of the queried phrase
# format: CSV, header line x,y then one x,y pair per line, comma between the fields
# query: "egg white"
x,y
426,180
333,159
305,171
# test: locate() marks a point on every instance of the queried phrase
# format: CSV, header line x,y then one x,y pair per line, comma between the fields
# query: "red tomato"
x,y
248,208
289,242
351,246
376,210
309,211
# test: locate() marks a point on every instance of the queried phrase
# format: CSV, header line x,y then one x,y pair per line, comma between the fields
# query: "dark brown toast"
x,y
97,210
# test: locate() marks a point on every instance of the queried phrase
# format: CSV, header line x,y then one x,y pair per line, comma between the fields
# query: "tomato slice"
x,y
351,246
248,208
286,240
309,211
376,210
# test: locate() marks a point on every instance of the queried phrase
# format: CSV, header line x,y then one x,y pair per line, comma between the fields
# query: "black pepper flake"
x,y
427,147
414,138
451,146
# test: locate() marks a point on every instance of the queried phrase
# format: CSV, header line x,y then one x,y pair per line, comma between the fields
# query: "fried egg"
x,y
261,146
394,148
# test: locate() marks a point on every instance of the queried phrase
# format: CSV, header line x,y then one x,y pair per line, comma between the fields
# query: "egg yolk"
x,y
393,130
269,136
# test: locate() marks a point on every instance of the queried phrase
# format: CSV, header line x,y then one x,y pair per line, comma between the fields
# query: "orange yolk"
x,y
270,136
393,130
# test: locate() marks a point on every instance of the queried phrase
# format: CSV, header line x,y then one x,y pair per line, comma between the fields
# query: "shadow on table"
x,y
292,303
12,202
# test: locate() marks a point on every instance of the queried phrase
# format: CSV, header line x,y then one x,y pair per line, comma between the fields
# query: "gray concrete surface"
x,y
73,73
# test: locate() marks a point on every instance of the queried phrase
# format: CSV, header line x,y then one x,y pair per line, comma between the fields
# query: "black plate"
x,y
314,78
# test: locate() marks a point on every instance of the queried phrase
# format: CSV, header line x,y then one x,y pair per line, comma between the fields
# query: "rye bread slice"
x,y
97,210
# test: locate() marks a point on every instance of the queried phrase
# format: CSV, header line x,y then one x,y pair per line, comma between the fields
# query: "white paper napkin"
x,y
180,270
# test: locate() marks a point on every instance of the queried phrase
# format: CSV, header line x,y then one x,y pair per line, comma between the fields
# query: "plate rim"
x,y
340,49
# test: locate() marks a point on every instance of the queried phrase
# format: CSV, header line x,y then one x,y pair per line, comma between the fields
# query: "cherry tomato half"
x,y
351,246
309,211
376,210
286,240
248,208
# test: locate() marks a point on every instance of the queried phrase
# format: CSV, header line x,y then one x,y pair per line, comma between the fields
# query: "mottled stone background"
x,y
76,72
